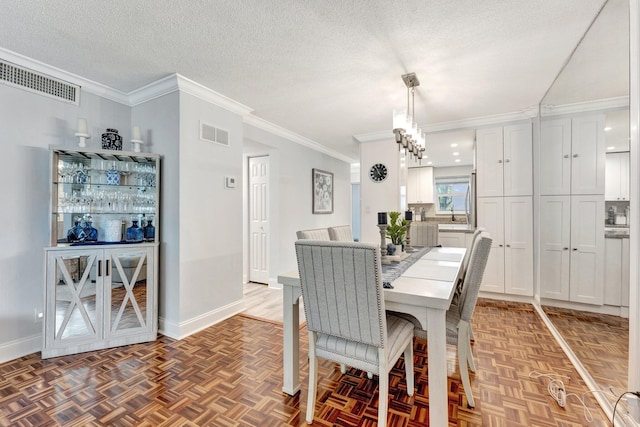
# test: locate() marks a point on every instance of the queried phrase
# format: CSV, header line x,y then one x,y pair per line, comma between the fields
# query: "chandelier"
x,y
408,136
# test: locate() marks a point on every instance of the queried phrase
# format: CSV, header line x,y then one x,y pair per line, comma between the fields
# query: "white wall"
x,y
29,123
378,196
290,194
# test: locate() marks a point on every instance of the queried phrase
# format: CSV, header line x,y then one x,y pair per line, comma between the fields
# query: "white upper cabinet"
x,y
617,177
587,154
555,157
572,155
504,161
420,185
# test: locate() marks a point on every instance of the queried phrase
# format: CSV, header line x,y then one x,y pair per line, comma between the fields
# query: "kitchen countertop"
x,y
465,228
616,232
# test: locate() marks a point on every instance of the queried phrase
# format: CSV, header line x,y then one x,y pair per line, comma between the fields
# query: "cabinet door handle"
x,y
507,160
499,161
565,249
566,156
99,268
575,155
508,246
575,249
500,245
107,272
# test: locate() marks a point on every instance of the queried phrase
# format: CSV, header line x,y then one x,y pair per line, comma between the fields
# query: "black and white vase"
x,y
111,140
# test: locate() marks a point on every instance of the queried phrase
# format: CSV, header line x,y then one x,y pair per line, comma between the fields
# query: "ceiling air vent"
x,y
24,78
213,134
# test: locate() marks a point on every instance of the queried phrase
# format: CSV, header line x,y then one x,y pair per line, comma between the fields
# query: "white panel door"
x,y
555,239
489,157
588,154
491,217
518,245
259,219
555,157
587,249
518,160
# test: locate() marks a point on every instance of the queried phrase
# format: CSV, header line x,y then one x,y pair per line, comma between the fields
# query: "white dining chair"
x,y
459,316
344,306
341,233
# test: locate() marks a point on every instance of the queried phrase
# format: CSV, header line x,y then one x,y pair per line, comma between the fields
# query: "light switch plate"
x,y
230,182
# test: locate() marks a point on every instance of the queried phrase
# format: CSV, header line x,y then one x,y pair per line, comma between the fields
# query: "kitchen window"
x,y
451,192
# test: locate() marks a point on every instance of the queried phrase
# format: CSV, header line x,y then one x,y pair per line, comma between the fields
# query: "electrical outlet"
x,y
37,315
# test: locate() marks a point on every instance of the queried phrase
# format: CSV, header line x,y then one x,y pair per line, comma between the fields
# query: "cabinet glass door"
x,y
129,291
77,296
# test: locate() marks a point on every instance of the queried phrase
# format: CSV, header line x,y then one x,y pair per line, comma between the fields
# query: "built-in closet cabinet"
x,y
617,177
420,185
572,155
617,260
509,220
505,187
503,156
572,248
572,184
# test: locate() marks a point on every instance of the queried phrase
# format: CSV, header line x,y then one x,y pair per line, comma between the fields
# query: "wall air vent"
x,y
213,134
32,81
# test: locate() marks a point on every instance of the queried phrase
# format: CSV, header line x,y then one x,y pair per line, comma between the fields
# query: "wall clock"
x,y
378,172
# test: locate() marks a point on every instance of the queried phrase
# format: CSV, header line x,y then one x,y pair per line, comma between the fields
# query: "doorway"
x,y
259,219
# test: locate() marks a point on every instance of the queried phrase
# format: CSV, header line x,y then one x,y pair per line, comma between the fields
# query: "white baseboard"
x,y
198,323
18,348
273,283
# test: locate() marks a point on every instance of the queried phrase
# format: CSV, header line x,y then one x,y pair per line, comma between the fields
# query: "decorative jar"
x,y
111,140
149,231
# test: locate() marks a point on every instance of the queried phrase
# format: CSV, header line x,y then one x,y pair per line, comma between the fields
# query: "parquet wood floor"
x,y
230,374
600,341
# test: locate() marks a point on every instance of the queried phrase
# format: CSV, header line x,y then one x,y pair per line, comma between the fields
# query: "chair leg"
x,y
383,398
313,378
408,366
464,349
343,368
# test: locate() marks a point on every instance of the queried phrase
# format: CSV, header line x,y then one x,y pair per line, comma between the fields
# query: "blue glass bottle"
x,y
149,231
72,233
91,234
135,233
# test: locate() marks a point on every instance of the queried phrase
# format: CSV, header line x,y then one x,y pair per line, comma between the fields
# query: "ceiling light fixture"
x,y
405,128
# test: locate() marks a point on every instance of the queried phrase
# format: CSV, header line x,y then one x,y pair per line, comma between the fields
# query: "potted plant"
x,y
396,231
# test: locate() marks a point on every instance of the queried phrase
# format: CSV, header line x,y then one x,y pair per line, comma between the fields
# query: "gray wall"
x,y
29,123
290,194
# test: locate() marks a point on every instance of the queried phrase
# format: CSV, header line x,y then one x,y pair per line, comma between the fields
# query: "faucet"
x,y
453,215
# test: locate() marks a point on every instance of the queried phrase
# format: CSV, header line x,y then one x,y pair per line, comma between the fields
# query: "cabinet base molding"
x,y
599,309
506,297
113,342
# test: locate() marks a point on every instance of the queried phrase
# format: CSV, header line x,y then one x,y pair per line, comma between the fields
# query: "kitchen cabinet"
x,y
454,239
616,274
572,248
504,161
509,221
420,185
101,267
617,176
572,155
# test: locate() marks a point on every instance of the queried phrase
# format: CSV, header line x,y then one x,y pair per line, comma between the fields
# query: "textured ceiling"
x,y
326,70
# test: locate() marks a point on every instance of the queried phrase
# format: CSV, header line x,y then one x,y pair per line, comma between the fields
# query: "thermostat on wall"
x,y
229,182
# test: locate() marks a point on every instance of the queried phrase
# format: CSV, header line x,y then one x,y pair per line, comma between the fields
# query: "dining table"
x,y
423,285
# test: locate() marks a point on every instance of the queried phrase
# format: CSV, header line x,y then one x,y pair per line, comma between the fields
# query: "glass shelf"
x,y
102,186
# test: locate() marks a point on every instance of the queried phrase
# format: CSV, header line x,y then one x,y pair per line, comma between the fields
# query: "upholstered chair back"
x,y
313,234
341,233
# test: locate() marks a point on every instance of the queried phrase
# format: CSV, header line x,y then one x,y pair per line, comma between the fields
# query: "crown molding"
x,y
584,107
260,123
86,84
174,82
527,113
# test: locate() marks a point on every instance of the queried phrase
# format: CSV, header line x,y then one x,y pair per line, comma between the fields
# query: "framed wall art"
x,y
322,192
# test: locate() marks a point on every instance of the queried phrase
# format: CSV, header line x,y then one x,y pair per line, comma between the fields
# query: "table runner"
x,y
391,272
